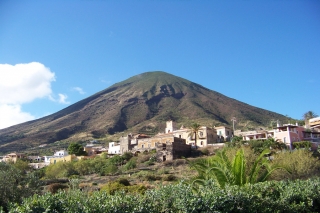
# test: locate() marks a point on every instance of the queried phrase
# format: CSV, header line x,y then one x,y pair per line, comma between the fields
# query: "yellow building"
x,y
67,158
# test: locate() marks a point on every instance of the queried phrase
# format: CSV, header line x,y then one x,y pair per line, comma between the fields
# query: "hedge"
x,y
272,196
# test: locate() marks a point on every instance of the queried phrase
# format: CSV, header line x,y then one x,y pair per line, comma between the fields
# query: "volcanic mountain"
x,y
141,103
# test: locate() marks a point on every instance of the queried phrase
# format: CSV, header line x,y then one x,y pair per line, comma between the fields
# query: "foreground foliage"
x,y
226,172
15,184
283,196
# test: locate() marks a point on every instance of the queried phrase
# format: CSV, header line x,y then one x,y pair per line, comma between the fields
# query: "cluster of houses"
x,y
288,133
178,142
38,162
173,143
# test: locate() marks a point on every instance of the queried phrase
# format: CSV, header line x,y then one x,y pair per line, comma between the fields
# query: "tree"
x,y
308,115
224,172
77,149
15,185
194,129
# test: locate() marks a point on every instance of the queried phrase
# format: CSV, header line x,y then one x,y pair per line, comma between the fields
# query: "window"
x,y
284,139
219,132
201,134
179,136
142,146
201,143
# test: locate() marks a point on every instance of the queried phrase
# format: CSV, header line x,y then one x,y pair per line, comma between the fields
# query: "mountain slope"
x,y
141,103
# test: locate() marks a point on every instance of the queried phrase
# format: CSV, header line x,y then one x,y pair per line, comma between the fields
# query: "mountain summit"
x,y
141,103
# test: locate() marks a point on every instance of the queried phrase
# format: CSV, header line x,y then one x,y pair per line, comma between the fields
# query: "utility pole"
x,y
233,119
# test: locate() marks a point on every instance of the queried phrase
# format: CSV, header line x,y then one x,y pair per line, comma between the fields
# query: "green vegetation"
x,y
258,145
15,184
266,197
302,145
236,172
194,129
123,185
76,149
229,181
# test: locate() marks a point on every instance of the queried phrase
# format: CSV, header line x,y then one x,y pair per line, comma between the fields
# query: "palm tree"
x,y
194,129
223,171
308,115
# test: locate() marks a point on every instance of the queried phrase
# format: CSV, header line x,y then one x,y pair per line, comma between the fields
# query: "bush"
x,y
127,156
55,187
83,167
301,144
163,171
123,181
14,185
137,189
130,165
149,163
169,178
300,163
143,158
266,197
151,177
112,187
60,170
109,169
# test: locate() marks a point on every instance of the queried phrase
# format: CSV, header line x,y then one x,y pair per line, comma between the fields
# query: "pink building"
x,y
288,134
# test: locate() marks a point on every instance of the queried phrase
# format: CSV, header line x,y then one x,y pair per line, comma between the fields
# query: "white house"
x,y
114,148
47,159
61,153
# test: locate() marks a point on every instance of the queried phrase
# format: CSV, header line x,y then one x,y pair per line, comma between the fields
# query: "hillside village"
x,y
176,142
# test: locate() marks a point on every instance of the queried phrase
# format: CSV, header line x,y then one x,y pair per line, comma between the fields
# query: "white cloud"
x,y
23,83
20,84
12,114
78,89
105,81
62,99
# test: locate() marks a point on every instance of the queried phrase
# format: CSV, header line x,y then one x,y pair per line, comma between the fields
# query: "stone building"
x,y
172,150
127,143
206,135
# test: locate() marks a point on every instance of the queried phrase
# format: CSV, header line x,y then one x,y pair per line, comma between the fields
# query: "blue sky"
x,y
55,53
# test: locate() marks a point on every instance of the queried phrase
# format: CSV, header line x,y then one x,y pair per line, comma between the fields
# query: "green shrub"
x,y
60,170
127,156
169,178
123,181
266,197
301,144
149,163
300,163
109,169
143,158
136,189
163,171
55,187
151,177
112,187
15,185
131,164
